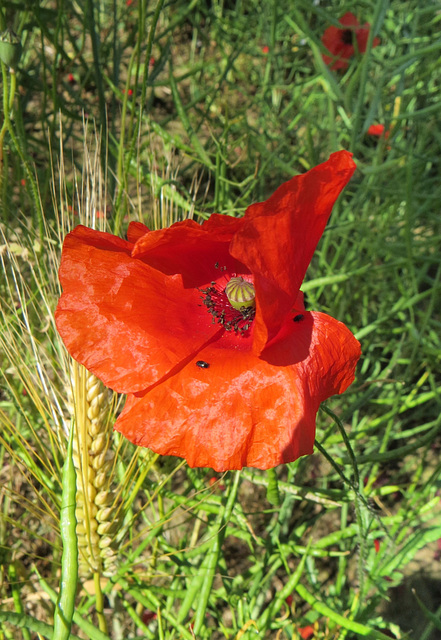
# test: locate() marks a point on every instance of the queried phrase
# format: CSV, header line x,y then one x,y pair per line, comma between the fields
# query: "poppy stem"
x,y
348,446
272,490
357,116
200,589
335,466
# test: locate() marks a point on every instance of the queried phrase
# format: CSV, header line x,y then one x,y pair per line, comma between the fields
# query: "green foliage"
x,y
190,108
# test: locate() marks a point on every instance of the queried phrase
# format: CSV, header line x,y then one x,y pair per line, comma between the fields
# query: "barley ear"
x,y
94,459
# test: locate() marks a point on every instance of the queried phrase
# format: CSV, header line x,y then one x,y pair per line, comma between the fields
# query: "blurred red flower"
x,y
378,130
216,481
306,632
265,49
148,616
204,327
340,41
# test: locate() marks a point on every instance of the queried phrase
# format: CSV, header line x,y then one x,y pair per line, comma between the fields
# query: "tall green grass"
x,y
160,111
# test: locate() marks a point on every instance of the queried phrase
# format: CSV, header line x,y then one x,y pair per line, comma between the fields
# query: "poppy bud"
x,y
10,48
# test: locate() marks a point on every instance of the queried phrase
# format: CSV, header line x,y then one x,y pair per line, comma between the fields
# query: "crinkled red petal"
x,y
279,236
193,250
333,41
363,36
127,323
242,410
136,230
349,20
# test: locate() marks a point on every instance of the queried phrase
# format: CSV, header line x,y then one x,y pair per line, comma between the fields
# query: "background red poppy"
x,y
340,41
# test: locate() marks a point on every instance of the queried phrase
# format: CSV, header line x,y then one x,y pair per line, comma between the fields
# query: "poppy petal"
x,y
362,36
376,130
279,236
229,408
193,250
136,230
349,20
127,323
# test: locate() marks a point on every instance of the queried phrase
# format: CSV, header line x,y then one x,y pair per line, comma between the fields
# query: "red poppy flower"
x,y
378,130
340,41
148,616
204,327
306,632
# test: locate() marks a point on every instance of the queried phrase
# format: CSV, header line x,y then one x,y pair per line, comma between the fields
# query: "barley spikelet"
x,y
94,461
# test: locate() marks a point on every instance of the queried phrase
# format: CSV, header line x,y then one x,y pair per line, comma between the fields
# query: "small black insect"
x,y
298,318
202,364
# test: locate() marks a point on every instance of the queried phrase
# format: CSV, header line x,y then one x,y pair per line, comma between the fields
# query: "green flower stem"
x,y
121,147
434,618
12,575
327,497
21,621
96,43
360,503
270,613
343,560
87,627
351,625
64,609
200,587
197,145
150,601
148,53
6,101
348,446
272,491
13,78
210,561
99,603
9,89
380,10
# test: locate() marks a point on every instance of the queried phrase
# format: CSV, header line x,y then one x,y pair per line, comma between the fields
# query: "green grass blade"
x,y
65,606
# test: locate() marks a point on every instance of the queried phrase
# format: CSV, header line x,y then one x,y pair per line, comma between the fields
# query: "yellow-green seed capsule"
x,y
240,293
